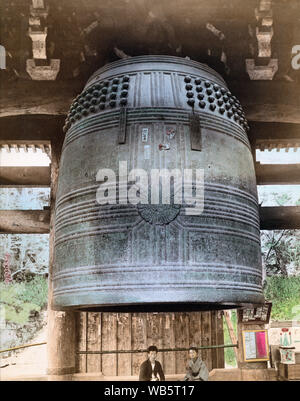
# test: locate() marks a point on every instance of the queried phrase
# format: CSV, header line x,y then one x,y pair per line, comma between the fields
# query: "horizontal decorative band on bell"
x,y
98,213
110,120
140,268
201,228
90,189
101,297
217,188
85,209
127,286
220,208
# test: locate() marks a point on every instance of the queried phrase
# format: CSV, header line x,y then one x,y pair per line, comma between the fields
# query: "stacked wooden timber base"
x,y
289,372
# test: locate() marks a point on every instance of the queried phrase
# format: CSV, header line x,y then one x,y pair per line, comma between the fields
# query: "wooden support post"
x,y
232,335
213,339
253,148
220,340
61,325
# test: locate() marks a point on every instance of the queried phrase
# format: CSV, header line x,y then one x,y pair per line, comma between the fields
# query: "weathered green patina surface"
x,y
156,112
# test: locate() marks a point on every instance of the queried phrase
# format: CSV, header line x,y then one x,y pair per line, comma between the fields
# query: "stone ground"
x,y
29,361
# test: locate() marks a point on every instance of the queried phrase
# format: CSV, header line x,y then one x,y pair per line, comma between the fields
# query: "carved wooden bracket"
x,y
264,34
43,72
38,43
38,36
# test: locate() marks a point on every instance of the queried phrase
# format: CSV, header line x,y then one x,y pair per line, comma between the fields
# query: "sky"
x,y
268,195
281,157
22,158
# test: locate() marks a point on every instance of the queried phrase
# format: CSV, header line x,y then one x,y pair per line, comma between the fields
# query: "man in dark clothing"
x,y
196,368
151,370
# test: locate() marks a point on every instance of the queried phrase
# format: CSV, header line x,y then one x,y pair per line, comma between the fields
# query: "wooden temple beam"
x,y
274,131
38,97
267,101
277,174
24,221
36,128
280,218
31,129
24,176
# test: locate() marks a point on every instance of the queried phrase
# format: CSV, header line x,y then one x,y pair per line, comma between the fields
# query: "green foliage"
x,y
229,352
22,299
281,250
284,292
281,199
20,317
36,291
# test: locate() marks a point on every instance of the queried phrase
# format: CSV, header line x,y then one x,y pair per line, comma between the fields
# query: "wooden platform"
x,y
215,375
84,377
243,375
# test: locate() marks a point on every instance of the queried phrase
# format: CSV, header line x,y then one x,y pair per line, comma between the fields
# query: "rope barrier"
x,y
21,346
160,350
125,351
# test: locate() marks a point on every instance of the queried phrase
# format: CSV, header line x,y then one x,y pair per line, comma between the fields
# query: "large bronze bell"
x,y
156,112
